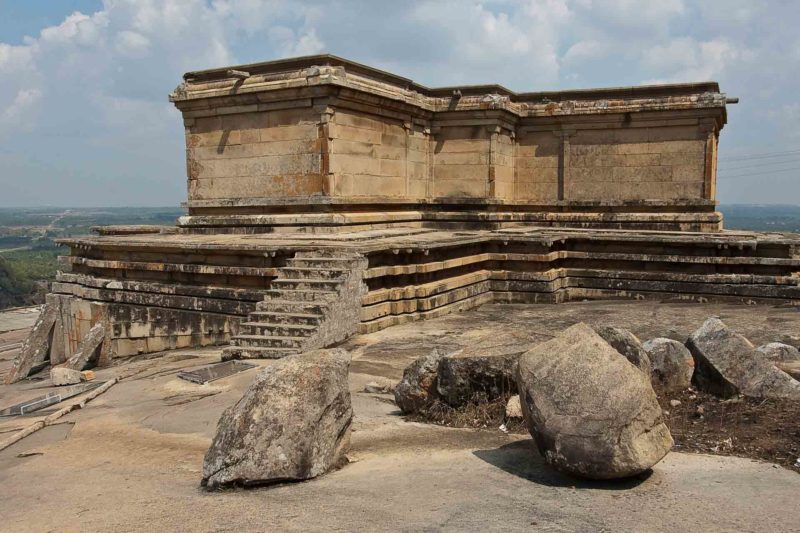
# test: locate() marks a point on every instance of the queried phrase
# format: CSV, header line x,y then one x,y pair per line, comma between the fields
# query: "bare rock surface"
x,y
627,344
727,364
591,413
65,376
417,389
671,364
291,424
778,351
89,350
35,352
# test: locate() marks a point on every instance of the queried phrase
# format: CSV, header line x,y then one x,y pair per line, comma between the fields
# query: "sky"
x,y
85,121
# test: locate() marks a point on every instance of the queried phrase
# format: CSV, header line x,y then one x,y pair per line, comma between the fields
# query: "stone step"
x,y
283,305
277,329
268,341
306,284
303,295
279,317
321,262
256,352
313,273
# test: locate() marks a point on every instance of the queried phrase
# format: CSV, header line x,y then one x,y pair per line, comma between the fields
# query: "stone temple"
x,y
326,198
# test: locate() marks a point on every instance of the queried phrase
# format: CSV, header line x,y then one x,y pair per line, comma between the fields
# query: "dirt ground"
x,y
131,460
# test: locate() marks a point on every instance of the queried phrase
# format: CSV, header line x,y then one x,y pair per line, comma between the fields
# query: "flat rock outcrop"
x,y
627,344
417,389
778,351
671,364
292,423
727,364
35,352
591,413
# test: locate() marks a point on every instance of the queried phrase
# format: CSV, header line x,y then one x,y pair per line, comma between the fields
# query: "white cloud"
x,y
685,59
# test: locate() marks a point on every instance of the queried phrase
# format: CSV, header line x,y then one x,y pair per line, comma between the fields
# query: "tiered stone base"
x,y
163,291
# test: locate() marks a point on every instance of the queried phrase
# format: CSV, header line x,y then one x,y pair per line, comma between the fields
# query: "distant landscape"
x,y
28,250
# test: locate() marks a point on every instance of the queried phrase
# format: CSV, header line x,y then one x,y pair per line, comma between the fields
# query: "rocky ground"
x,y
132,459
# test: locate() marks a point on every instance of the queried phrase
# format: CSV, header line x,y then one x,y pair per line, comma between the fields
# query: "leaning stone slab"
x,y
727,364
89,349
778,351
671,364
627,344
293,423
417,389
591,413
35,352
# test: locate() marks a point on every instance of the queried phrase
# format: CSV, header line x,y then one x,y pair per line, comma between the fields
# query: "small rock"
x,y
672,364
379,386
627,344
513,407
727,364
790,367
700,410
417,389
591,413
674,403
777,351
292,423
64,376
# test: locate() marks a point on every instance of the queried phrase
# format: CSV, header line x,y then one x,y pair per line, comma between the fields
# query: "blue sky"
x,y
84,117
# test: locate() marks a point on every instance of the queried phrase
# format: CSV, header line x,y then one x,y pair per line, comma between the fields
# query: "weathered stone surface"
x,y
292,423
35,352
727,364
484,370
627,344
777,351
513,407
60,375
380,386
89,350
591,413
417,389
671,364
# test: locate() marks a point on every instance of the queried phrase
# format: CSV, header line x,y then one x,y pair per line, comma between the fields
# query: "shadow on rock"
x,y
522,459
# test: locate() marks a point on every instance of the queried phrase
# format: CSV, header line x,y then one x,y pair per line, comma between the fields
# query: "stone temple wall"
x,y
288,144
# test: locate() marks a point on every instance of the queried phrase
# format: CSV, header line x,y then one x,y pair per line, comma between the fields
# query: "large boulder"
x,y
778,351
417,389
627,344
292,423
727,364
591,413
35,352
671,364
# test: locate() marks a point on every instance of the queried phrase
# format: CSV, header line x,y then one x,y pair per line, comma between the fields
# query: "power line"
x,y
760,165
748,174
767,155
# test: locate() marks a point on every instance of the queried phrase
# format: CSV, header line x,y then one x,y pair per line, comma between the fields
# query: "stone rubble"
x,y
627,344
671,364
418,388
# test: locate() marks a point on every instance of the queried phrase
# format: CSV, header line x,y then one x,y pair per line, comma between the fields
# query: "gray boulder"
x,y
417,389
292,423
627,344
65,376
778,351
727,364
591,413
35,352
89,350
671,364
483,371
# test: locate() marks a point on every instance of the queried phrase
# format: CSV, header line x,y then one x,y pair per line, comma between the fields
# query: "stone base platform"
x,y
273,294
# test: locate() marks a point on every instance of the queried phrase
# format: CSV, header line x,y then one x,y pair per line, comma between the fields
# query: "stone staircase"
x,y
313,302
